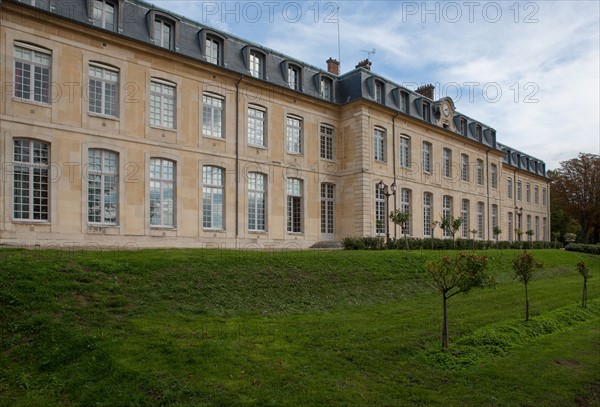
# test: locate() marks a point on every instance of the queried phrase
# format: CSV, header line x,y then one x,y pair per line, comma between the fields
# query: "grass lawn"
x,y
213,327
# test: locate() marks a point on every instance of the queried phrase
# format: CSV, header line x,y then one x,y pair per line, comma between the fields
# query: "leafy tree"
x,y
454,224
586,274
576,191
452,276
496,231
529,234
473,232
524,267
401,219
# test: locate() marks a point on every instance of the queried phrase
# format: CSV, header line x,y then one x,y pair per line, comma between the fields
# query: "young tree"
x,y
452,276
586,274
524,267
401,219
529,234
455,224
496,231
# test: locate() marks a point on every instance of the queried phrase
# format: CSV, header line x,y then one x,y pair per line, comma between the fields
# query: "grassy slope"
x,y
213,327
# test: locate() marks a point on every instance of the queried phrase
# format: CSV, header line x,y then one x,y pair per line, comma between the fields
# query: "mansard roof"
x,y
135,22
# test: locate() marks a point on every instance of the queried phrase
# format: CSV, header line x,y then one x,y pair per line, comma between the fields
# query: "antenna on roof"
x,y
369,53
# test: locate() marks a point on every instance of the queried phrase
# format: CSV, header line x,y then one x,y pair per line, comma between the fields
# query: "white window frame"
x,y
257,126
509,188
107,179
213,117
447,162
464,213
294,134
327,143
295,216
31,180
164,31
103,90
37,62
464,168
257,202
163,103
162,185
427,154
494,176
327,208
480,223
519,190
213,49
404,157
427,213
379,138
405,206
479,172
256,62
380,212
100,14
213,197
447,212
326,88
528,192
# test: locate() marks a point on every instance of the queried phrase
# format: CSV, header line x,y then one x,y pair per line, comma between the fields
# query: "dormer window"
x,y
405,102
294,77
426,111
256,64
163,29
379,92
213,49
326,88
104,14
478,132
463,126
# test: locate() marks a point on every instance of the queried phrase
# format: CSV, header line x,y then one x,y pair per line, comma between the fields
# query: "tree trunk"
x,y
445,324
526,304
584,295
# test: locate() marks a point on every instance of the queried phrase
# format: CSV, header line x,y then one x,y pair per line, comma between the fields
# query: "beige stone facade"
x,y
308,196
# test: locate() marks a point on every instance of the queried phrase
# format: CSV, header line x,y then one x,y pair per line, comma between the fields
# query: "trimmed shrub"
x,y
583,248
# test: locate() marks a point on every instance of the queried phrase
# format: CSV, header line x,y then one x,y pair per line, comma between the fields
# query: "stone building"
x,y
121,123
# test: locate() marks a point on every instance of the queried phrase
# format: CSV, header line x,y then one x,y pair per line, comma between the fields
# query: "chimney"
x,y
426,90
364,64
333,66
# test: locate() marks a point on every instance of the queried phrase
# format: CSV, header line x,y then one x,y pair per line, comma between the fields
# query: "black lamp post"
x,y
386,191
519,213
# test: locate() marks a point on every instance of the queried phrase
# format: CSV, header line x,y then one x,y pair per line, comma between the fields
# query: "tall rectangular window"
x,y
447,212
294,135
294,205
379,144
494,176
529,227
256,127
405,102
465,218
326,89
544,197
380,212
212,116
427,212
256,64
519,190
379,92
163,33
162,104
426,111
537,228
327,208
545,229
103,14
464,167
103,186
536,195
447,162
427,157
510,227
257,198
495,218
32,74
480,224
479,172
103,90
509,188
162,192
293,77
31,180
528,193
463,126
212,197
404,152
213,50
405,207
326,142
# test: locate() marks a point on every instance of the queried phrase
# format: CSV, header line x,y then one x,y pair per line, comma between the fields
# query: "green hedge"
x,y
584,248
378,243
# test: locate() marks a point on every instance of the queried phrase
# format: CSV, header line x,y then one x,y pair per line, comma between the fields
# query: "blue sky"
x,y
528,69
